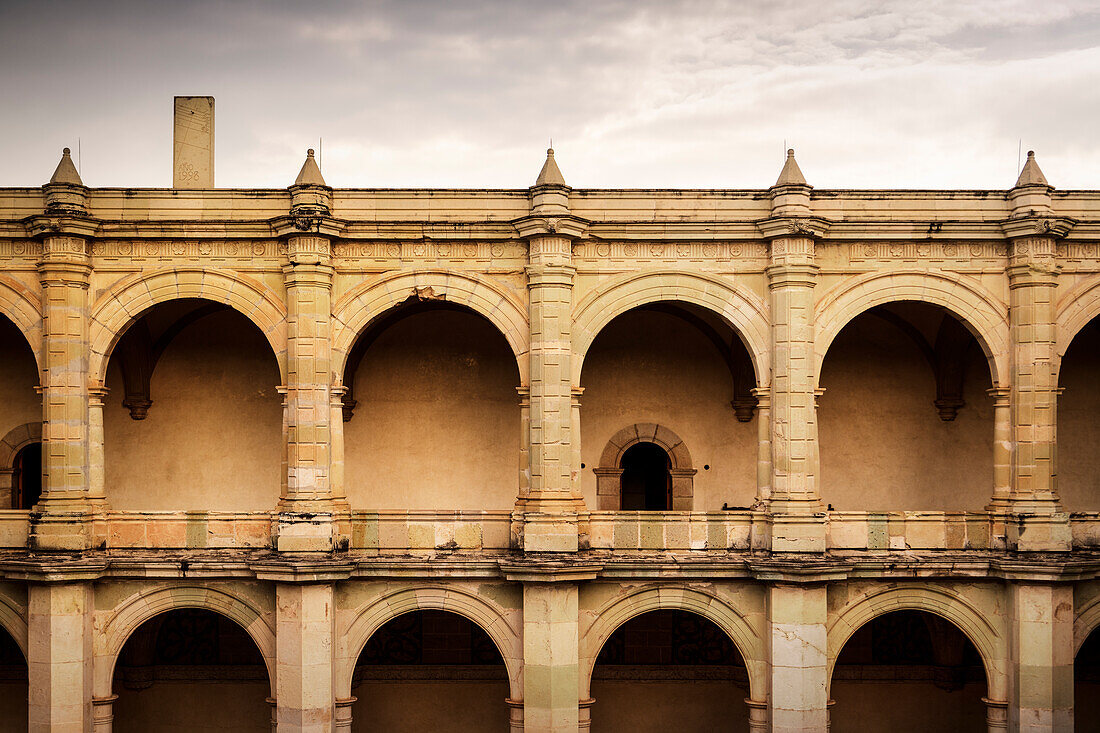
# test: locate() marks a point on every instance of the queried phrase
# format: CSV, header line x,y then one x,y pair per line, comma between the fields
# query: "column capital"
x,y
567,226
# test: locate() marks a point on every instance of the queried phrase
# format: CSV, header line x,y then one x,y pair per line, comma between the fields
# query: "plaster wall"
x,y
883,446
189,706
19,403
459,706
1079,423
437,425
648,367
905,707
655,706
213,437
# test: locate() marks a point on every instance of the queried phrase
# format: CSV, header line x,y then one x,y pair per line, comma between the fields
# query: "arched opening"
x,y
20,407
669,670
13,686
680,365
432,417
908,671
191,669
430,670
1086,684
1078,427
26,476
905,421
646,482
193,420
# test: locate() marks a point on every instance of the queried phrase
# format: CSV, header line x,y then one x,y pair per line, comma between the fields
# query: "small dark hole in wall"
x,y
582,465
706,467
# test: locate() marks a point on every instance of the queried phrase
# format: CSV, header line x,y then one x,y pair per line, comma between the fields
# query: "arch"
x,y
148,604
23,307
937,601
430,598
1075,309
13,622
742,310
619,611
16,439
1086,622
124,303
364,304
984,315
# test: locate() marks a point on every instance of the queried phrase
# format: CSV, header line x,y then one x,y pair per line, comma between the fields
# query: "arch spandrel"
x,y
749,643
484,614
23,306
145,605
950,606
124,302
361,306
984,315
743,311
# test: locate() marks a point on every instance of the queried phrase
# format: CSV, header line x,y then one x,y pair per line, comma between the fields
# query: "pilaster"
x,y
60,657
304,662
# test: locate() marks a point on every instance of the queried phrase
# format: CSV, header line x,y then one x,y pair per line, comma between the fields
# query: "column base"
x,y
1039,532
303,531
801,532
68,526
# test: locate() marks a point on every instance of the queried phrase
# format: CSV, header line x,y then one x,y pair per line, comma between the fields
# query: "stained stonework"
x,y
357,406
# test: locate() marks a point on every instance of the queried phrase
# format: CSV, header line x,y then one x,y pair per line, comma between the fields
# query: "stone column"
x,y
306,510
1002,449
795,508
60,657
758,715
515,715
764,446
794,505
1032,231
553,499
797,654
1041,648
96,460
551,645
996,715
304,657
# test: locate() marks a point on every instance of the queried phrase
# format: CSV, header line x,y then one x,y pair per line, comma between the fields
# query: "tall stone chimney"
x,y
193,143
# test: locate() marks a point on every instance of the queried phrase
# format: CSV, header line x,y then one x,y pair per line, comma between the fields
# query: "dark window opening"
x,y
26,477
646,480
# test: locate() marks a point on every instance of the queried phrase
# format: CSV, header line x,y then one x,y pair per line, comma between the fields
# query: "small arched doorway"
x,y
908,671
26,476
191,669
13,686
430,670
645,483
669,670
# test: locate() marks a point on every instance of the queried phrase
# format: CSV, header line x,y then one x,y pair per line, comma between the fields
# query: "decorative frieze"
x,y
960,251
427,250
669,251
240,249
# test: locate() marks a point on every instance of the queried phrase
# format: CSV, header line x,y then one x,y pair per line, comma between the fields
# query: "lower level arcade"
x,y
478,651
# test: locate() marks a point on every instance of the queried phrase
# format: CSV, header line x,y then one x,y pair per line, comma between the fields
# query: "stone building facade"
x,y
550,459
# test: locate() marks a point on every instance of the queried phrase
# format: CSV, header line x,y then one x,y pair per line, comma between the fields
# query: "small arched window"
x,y
646,478
26,477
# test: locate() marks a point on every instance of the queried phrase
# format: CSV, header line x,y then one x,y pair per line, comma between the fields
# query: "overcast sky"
x,y
871,93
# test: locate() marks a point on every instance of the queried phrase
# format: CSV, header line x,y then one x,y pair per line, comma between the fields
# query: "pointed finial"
x,y
550,175
66,171
310,175
791,175
1031,175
